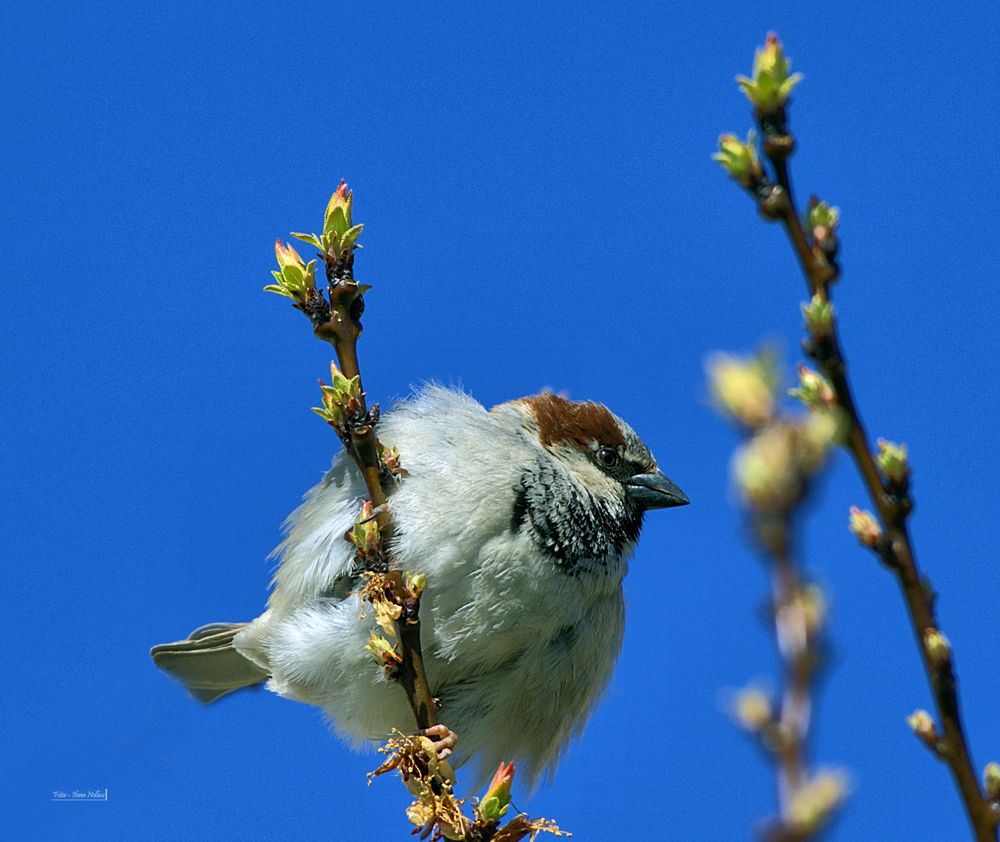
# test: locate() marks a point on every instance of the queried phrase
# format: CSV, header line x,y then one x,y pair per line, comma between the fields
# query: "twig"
x,y
342,330
816,250
894,505
337,319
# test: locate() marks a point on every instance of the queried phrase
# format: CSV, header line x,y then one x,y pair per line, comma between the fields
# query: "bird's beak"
x,y
654,491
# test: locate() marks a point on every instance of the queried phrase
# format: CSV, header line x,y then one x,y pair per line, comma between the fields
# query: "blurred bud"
x,y
865,527
818,315
765,470
819,432
822,220
295,280
814,389
744,388
892,460
937,647
922,725
991,780
752,709
771,84
497,798
814,803
815,436
739,159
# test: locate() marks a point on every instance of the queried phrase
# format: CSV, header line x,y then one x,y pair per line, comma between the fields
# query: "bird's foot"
x,y
443,739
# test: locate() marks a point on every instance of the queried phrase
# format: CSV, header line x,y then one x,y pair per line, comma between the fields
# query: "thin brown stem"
x,y
342,330
893,509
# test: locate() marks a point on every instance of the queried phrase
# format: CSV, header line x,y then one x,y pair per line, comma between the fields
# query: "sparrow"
x,y
522,518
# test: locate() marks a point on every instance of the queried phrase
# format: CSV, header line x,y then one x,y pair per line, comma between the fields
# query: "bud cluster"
x,y
342,403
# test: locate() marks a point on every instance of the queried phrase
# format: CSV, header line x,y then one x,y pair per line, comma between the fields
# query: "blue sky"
x,y
541,211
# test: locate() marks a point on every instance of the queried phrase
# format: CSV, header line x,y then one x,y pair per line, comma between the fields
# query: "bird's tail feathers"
x,y
207,664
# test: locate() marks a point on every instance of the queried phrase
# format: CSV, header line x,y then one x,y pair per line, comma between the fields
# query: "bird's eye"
x,y
607,456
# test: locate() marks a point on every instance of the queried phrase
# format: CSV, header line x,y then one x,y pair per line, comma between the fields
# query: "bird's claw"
x,y
442,737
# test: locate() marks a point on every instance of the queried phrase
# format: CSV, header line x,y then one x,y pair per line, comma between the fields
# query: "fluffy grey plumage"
x,y
523,519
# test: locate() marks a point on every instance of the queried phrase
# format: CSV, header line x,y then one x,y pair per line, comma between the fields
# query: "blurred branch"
x,y
886,476
773,471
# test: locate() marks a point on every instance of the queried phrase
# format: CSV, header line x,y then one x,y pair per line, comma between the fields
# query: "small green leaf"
x,y
312,239
350,237
336,221
294,277
278,290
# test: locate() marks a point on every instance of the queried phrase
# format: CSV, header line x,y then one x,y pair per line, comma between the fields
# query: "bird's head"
x,y
584,499
601,451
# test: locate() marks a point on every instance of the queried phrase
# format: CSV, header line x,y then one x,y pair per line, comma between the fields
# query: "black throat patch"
x,y
572,526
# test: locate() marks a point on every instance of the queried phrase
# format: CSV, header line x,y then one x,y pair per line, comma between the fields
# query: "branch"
x,y
337,319
773,471
342,330
886,478
393,594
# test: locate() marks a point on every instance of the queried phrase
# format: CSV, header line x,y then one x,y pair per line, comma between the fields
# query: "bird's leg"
x,y
443,737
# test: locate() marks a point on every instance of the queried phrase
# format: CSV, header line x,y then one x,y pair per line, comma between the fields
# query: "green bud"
x,y
739,159
497,798
865,527
340,235
892,460
416,584
819,314
814,389
771,84
991,780
937,647
821,215
922,725
295,279
384,653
